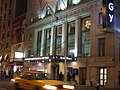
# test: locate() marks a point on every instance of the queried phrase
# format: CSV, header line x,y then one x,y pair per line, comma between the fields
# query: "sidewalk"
x,y
83,87
5,79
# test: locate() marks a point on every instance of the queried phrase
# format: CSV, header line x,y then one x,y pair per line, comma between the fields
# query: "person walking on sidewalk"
x,y
97,86
119,77
68,78
73,76
61,76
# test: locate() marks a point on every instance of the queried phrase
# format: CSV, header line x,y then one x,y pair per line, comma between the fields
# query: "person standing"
x,y
73,76
119,77
61,76
68,77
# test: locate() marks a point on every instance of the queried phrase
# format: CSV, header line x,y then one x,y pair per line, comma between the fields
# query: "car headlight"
x,y
68,87
50,87
13,80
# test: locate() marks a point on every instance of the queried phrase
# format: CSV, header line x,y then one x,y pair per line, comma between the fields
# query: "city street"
x,y
93,88
6,85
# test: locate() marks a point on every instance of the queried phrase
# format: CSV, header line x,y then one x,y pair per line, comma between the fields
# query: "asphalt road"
x,y
7,85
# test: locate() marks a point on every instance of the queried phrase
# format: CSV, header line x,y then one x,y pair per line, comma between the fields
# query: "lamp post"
x,y
65,68
65,62
87,66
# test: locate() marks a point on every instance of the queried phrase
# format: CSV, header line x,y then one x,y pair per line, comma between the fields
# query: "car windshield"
x,y
37,76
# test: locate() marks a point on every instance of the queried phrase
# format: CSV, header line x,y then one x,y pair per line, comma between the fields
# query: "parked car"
x,y
34,80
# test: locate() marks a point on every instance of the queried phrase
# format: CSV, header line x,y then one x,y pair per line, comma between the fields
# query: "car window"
x,y
35,76
38,76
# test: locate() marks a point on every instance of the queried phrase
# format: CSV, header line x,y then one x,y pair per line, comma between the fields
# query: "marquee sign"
x,y
108,14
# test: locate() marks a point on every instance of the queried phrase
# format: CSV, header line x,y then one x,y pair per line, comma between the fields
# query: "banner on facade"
x,y
108,15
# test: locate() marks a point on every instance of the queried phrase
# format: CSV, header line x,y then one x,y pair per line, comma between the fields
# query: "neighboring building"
x,y
17,37
73,36
6,7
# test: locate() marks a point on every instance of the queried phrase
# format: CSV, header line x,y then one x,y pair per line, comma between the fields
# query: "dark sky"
x,y
21,7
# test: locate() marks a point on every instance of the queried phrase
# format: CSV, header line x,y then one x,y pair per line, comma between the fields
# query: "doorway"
x,y
102,76
54,71
82,75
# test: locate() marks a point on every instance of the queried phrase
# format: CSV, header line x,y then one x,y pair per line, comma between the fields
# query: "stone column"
x,y
52,41
43,42
77,33
64,37
64,46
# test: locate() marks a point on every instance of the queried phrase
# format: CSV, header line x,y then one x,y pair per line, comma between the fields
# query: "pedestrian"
x,y
9,74
0,75
73,76
68,77
119,77
61,76
4,74
97,86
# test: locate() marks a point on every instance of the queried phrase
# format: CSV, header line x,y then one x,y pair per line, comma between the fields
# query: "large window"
x,y
48,37
71,38
101,42
86,25
58,40
69,2
47,10
39,39
102,76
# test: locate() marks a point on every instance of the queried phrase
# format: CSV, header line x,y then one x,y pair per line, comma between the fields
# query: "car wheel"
x,y
37,88
17,87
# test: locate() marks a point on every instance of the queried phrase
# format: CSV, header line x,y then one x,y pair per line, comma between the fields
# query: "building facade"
x,y
17,37
6,17
12,25
69,36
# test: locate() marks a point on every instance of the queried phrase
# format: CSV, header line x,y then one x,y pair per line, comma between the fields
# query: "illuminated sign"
x,y
108,14
18,54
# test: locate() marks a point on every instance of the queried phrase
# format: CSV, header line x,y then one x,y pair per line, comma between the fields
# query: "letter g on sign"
x,y
111,7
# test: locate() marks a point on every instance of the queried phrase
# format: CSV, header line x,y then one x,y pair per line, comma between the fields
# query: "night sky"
x,y
21,7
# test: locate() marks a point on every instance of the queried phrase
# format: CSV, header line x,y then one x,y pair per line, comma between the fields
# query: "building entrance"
x,y
54,71
82,76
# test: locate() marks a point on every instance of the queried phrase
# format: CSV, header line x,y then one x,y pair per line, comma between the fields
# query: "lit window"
x,y
86,24
48,10
39,16
103,76
31,19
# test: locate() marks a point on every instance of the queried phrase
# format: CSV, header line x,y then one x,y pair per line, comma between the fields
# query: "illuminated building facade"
x,y
73,36
5,33
17,37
